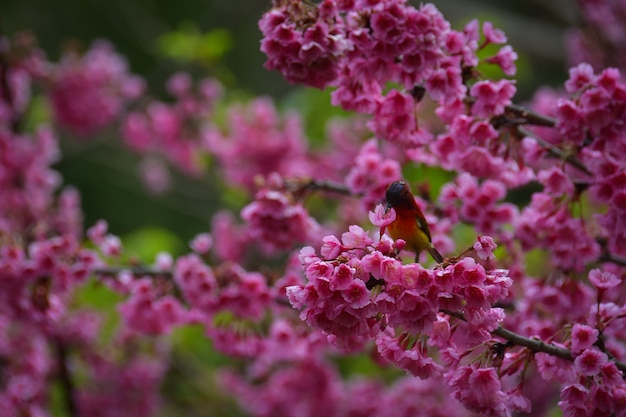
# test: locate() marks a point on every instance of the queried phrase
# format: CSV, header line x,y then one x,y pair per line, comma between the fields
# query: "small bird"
x,y
410,224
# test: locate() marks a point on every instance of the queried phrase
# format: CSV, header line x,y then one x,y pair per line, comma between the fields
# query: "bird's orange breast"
x,y
406,227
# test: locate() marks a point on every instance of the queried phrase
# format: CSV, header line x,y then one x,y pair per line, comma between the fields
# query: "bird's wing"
x,y
421,223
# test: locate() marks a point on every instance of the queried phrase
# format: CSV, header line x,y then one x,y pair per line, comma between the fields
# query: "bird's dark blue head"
x,y
396,193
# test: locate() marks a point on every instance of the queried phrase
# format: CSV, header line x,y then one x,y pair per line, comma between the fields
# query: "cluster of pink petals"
x,y
361,47
91,91
339,297
479,204
27,184
146,311
473,145
275,220
546,224
127,386
174,131
24,376
371,174
601,32
357,291
301,41
36,278
599,388
305,382
260,142
42,262
592,119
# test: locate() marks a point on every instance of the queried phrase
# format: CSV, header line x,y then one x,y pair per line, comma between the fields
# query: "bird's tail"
x,y
435,254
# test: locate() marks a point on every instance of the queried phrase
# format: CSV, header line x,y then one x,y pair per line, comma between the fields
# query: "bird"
x,y
410,224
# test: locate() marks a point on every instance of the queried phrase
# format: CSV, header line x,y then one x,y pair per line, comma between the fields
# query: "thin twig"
x,y
303,186
333,187
525,115
67,383
135,270
555,151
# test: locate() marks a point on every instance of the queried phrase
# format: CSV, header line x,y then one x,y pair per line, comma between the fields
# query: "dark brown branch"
x,y
532,344
523,115
65,378
608,257
529,116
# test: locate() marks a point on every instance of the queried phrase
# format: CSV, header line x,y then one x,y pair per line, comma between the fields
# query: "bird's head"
x,y
397,192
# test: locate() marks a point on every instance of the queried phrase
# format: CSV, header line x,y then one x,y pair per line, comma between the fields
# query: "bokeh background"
x,y
220,38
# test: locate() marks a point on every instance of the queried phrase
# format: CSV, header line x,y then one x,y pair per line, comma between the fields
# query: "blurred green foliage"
x,y
189,44
146,243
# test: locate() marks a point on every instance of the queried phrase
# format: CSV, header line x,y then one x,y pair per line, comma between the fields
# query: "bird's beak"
x,y
387,208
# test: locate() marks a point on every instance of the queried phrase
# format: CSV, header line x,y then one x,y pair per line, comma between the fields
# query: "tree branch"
x,y
301,187
555,151
534,345
65,377
608,257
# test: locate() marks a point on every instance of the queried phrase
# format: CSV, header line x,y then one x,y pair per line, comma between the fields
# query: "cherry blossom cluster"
x,y
42,257
360,46
277,221
260,142
311,386
371,173
599,103
570,151
173,131
90,91
600,36
425,321
468,201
